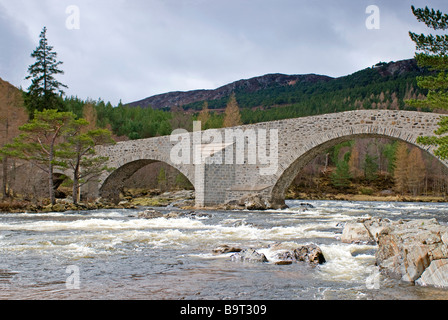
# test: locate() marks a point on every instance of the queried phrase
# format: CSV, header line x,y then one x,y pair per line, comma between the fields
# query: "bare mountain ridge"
x,y
182,98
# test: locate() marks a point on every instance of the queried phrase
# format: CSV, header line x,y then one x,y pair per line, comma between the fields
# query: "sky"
x,y
129,50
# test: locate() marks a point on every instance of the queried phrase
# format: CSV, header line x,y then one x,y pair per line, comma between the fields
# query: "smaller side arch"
x,y
113,185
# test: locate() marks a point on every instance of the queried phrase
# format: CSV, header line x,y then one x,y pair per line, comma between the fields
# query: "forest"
x,y
372,167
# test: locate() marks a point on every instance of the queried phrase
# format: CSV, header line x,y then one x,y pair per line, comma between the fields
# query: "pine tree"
x,y
182,182
44,89
91,116
340,178
232,117
401,167
80,156
40,142
416,171
389,152
353,163
204,116
370,167
162,180
432,53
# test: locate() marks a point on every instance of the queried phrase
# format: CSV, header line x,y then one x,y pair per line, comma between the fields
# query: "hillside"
x,y
178,98
395,79
12,112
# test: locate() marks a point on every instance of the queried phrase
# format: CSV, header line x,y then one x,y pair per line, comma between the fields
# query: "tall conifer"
x,y
401,167
232,117
44,89
432,53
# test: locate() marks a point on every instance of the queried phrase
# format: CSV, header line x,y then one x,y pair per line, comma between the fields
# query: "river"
x,y
112,254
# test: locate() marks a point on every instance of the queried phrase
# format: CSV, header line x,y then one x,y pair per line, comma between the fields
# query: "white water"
x,y
122,257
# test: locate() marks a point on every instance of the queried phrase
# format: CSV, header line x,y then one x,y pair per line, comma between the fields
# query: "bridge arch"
x,y
115,182
292,169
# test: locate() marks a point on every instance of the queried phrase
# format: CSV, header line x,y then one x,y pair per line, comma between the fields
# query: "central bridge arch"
x,y
277,196
337,128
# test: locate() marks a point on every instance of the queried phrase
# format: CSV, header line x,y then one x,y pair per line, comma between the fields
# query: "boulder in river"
x,y
254,202
407,249
153,214
410,250
435,275
355,232
150,214
364,230
226,249
307,253
249,255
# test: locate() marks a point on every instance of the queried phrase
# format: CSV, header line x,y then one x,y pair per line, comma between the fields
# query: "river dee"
x,y
112,254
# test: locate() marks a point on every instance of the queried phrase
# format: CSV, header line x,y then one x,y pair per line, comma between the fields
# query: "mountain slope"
x,y
13,113
280,89
173,99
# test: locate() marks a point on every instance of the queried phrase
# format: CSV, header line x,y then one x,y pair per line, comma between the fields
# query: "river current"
x,y
112,254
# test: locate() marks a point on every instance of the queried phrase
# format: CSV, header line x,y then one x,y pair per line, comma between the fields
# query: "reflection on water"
x,y
122,257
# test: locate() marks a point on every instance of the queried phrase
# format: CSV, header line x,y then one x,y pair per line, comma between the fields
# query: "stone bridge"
x,y
263,158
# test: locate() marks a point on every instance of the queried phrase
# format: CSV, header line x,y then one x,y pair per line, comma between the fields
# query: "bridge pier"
x,y
212,176
90,191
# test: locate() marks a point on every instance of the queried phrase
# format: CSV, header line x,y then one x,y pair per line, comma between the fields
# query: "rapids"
x,y
112,254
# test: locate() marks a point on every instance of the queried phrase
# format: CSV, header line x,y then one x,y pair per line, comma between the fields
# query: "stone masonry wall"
x,y
299,140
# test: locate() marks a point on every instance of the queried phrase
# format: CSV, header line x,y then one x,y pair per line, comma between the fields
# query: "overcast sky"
x,y
133,49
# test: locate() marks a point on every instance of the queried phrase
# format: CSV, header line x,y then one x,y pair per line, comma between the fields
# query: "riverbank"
x,y
365,197
62,205
182,199
149,199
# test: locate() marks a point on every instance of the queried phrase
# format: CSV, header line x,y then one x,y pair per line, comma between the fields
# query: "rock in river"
x,y
226,249
150,214
410,250
307,253
249,255
364,230
310,253
435,275
407,248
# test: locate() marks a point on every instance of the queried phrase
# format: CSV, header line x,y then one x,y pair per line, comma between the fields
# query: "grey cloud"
x,y
132,49
15,48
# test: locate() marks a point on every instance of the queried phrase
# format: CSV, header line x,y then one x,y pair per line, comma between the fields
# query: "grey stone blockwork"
x,y
299,141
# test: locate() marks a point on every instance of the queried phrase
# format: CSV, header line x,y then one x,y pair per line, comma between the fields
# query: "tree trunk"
x,y
5,177
76,186
75,189
50,177
76,176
